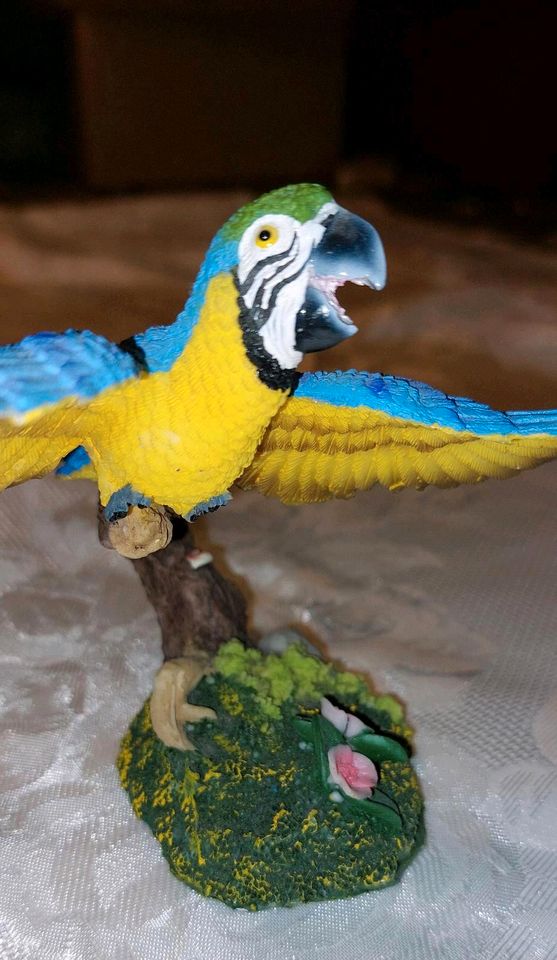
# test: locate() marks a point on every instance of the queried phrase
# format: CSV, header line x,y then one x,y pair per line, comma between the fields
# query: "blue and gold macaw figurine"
x,y
177,415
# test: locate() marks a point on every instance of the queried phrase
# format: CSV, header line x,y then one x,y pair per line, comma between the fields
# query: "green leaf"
x,y
386,813
330,736
302,726
388,817
316,725
318,731
377,747
383,799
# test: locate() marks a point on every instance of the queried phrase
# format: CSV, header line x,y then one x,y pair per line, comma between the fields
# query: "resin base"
x,y
252,817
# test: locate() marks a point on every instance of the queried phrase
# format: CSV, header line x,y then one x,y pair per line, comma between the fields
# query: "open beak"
x,y
350,249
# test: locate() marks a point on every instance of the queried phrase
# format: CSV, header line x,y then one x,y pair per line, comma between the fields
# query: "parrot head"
x,y
289,251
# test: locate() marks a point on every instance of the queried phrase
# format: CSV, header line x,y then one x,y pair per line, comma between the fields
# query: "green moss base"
x,y
246,817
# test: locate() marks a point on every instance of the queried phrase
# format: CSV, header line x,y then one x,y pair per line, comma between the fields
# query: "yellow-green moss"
x,y
294,674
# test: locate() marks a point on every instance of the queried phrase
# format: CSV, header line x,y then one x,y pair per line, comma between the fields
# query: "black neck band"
x,y
131,346
268,368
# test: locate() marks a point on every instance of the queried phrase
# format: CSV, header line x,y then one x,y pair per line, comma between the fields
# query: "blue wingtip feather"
x,y
420,403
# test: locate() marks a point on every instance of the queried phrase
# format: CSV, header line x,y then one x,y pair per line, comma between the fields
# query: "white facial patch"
x,y
252,254
279,332
273,273
327,210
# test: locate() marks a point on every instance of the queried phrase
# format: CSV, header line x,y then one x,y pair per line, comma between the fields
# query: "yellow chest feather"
x,y
184,436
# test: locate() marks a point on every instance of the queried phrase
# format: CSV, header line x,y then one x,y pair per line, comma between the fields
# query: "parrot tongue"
x,y
329,286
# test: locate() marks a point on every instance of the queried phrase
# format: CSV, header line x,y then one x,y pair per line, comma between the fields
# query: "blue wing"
x,y
46,368
38,376
416,402
343,432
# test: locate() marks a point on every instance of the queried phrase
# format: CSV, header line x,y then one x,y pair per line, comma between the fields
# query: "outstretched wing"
x,y
45,381
343,432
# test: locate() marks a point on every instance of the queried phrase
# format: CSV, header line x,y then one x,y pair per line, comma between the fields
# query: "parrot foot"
x,y
170,709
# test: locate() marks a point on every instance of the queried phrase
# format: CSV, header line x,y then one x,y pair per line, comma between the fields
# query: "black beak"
x,y
350,249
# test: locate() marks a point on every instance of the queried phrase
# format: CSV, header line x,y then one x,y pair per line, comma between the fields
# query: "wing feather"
x,y
46,382
48,368
343,432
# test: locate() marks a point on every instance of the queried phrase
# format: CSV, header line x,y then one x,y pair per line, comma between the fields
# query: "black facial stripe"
x,y
279,286
266,281
258,301
276,258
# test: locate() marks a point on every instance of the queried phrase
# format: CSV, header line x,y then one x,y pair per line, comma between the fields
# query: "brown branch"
x,y
197,608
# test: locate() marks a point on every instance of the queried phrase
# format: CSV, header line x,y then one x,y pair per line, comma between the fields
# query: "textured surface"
x,y
49,367
347,431
196,608
416,402
247,817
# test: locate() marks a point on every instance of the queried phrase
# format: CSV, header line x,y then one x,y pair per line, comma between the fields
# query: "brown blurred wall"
x,y
209,93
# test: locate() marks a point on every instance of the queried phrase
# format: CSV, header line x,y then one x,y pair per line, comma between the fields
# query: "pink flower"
x,y
352,772
348,724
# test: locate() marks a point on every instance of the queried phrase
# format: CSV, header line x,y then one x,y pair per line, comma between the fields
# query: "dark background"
x,y
445,107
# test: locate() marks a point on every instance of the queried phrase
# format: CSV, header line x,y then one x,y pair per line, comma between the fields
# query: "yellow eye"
x,y
267,236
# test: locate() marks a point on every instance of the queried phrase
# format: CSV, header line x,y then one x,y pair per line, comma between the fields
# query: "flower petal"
x,y
349,725
355,774
334,715
365,771
354,727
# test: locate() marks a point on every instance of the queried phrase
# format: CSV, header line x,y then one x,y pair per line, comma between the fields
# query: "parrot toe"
x,y
120,502
170,710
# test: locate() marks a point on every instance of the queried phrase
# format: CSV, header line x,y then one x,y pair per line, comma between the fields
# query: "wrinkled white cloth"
x,y
447,598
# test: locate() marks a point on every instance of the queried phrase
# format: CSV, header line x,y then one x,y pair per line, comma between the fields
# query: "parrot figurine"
x,y
177,415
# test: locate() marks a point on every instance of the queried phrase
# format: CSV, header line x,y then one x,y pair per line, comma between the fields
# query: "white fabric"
x,y
446,598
